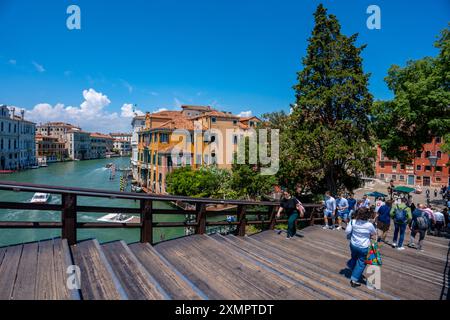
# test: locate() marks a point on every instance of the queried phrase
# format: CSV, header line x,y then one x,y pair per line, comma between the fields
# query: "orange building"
x,y
210,137
422,171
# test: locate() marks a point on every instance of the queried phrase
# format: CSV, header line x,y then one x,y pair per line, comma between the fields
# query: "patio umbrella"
x,y
403,189
376,194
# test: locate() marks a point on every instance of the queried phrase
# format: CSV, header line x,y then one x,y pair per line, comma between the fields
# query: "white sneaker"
x,y
401,248
325,227
339,228
394,245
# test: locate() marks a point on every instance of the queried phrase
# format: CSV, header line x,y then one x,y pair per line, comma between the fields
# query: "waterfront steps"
x,y
263,266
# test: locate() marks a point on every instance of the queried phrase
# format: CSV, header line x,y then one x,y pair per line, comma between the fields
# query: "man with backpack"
x,y
401,215
383,220
419,224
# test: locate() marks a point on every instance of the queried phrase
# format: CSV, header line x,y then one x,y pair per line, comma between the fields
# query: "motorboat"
x,y
119,218
41,198
136,189
34,167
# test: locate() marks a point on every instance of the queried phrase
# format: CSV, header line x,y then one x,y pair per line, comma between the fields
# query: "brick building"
x,y
421,171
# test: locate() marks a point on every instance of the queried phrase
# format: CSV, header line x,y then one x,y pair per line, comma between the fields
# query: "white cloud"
x,y
39,67
245,114
12,61
160,110
128,112
91,115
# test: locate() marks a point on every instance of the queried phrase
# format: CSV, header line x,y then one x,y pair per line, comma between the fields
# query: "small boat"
x,y
43,165
6,171
136,189
41,198
34,167
109,165
119,218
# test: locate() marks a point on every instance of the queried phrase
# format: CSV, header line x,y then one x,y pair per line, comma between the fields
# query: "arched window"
x,y
428,154
439,154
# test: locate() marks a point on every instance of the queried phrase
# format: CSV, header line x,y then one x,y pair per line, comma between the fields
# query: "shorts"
x,y
343,214
327,213
383,226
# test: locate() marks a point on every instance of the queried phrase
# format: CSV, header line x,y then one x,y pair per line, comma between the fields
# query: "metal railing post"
x,y
147,221
69,218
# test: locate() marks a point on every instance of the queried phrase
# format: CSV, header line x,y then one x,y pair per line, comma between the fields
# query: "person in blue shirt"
x,y
418,227
383,220
342,210
330,209
351,205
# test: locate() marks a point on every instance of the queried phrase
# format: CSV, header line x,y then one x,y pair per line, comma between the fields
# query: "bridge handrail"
x,y
70,209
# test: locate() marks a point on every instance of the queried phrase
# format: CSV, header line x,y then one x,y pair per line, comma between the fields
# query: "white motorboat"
x,y
119,218
41,198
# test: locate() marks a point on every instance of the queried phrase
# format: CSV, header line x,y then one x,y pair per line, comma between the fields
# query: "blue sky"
x,y
237,55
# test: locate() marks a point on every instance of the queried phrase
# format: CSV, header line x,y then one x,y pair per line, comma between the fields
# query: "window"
x,y
394,177
439,154
438,139
402,167
1,126
213,119
235,139
418,178
213,138
427,154
438,179
427,168
402,178
234,122
394,166
438,169
418,167
382,165
382,176
251,123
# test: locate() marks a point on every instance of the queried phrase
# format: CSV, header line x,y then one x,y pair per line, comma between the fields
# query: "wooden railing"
x,y
69,209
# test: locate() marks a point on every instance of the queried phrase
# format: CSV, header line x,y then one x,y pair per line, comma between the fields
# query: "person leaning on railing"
x,y
292,207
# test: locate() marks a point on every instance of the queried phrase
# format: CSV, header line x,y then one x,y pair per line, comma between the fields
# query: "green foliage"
x,y
421,106
326,142
194,183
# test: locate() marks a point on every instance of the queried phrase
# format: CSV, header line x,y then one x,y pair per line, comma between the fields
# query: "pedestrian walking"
x,y
361,232
293,208
383,221
419,225
401,215
329,211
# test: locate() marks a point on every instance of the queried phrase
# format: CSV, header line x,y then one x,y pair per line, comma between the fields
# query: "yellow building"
x,y
193,136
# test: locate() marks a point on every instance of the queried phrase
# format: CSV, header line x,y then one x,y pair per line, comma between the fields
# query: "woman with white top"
x,y
361,231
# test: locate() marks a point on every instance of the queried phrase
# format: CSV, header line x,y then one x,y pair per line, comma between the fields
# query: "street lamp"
x,y
433,160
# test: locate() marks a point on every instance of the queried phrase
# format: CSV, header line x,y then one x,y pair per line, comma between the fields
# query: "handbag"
x,y
373,255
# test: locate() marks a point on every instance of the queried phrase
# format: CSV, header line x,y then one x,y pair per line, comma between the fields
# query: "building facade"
x,y
137,124
17,135
99,145
79,144
421,171
50,149
122,143
206,137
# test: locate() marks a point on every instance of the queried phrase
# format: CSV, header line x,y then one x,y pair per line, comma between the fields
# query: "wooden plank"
x,y
173,282
29,225
202,261
136,281
45,282
98,282
25,286
8,271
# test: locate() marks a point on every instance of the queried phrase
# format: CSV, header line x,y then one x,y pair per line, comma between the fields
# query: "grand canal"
x,y
87,174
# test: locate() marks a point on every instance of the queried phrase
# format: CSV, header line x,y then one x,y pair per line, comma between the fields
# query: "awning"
x,y
376,194
403,189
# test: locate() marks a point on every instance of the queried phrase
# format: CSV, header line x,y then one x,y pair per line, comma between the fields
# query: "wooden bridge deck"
x,y
263,266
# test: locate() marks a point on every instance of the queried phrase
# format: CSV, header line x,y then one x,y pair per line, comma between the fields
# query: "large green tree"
x,y
327,144
420,108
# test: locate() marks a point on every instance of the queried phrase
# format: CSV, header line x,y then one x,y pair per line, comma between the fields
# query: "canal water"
x,y
86,174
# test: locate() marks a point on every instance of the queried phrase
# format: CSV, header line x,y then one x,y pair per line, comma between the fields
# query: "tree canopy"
x,y
420,108
327,142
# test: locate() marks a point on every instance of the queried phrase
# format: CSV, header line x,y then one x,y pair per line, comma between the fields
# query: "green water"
x,y
86,174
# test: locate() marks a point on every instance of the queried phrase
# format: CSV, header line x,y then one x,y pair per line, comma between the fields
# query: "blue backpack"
x,y
400,216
